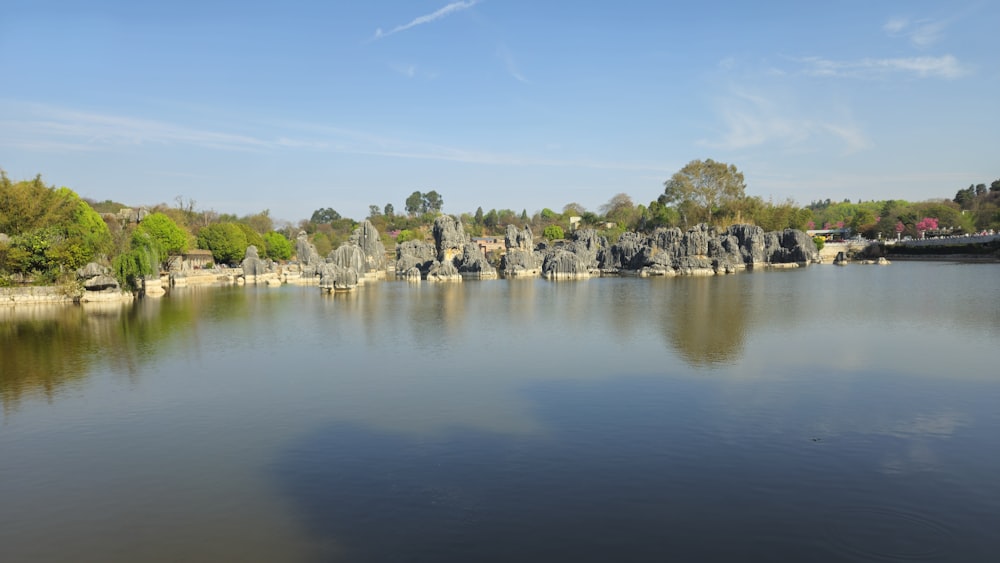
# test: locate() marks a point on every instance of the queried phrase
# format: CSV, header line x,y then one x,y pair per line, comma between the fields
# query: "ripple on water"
x,y
888,534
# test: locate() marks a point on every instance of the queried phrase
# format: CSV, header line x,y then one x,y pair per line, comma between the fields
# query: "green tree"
x,y
414,203
324,215
407,234
553,232
227,241
169,238
389,210
701,187
374,211
432,202
278,246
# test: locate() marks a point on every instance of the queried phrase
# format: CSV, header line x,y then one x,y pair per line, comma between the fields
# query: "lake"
x,y
823,414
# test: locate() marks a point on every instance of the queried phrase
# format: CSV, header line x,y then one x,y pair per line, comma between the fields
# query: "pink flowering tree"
x,y
926,224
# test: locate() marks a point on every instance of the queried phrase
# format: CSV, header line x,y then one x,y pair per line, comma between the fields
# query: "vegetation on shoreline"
x,y
46,233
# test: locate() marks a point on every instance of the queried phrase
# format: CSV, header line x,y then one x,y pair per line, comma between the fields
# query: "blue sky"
x,y
292,106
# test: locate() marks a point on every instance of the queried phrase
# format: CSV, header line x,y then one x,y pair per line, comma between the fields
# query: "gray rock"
x,y
367,238
415,254
308,256
334,277
443,271
518,240
101,282
472,262
91,270
252,264
449,238
349,256
563,264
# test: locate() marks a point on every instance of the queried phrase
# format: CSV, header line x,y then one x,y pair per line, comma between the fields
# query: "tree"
x,y
573,209
619,208
374,211
389,210
701,187
995,186
414,203
432,202
260,222
478,219
553,232
227,241
278,246
324,215
164,232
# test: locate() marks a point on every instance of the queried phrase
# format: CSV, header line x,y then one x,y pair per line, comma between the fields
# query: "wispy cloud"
x,y
751,121
921,33
53,129
40,125
427,18
945,66
510,64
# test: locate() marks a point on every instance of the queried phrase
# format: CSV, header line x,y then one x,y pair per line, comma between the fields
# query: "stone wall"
x,y
42,294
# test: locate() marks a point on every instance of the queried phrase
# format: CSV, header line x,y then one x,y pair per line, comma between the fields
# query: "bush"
x,y
405,235
820,242
553,232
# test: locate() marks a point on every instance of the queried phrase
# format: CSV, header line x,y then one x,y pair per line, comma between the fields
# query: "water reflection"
x,y
706,320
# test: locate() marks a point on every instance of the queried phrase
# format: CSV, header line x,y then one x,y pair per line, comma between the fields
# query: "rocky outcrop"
x,y
701,250
520,259
308,256
335,277
253,266
367,238
98,283
561,264
449,238
590,247
473,263
444,272
414,254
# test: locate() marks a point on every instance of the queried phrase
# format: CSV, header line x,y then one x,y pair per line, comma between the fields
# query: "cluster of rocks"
x,y
701,250
452,256
99,285
257,269
359,259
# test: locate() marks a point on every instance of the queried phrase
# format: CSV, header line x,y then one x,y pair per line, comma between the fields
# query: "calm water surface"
x,y
827,414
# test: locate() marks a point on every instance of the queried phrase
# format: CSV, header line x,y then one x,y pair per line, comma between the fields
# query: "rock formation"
x,y
449,238
309,258
368,239
562,264
334,277
414,254
443,272
520,259
253,266
473,262
97,278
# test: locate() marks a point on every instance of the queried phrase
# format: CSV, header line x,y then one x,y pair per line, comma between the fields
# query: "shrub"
x,y
553,232
820,242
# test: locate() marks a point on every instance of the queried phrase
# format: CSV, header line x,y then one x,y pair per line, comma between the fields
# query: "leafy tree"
x,y
965,197
389,210
573,209
619,209
324,215
260,222
227,241
432,202
168,237
407,234
478,219
374,211
549,215
553,232
995,186
414,203
701,187
278,247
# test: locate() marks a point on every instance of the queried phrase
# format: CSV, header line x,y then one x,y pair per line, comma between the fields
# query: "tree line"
x,y
46,233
